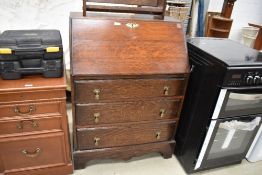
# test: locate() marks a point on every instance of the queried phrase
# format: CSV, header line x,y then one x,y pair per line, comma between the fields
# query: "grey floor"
x,y
154,164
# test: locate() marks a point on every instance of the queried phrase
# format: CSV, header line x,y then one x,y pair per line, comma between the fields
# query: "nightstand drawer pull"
x,y
166,90
30,111
97,92
31,154
158,135
96,140
162,112
96,116
21,124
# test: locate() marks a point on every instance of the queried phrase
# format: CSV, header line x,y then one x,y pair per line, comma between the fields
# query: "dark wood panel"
x,y
128,2
121,135
32,151
152,48
127,9
126,58
30,109
99,90
152,7
146,31
141,50
122,76
30,125
81,158
105,113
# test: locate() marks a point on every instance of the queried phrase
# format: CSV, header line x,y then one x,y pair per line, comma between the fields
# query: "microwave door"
x,y
227,141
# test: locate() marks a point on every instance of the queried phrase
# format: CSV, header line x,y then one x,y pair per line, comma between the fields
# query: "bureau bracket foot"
x,y
81,158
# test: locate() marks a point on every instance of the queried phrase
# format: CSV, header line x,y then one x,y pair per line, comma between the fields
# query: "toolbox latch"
x,y
52,49
5,51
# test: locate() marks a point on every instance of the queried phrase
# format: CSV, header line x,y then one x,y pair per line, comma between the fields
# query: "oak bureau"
x,y
128,83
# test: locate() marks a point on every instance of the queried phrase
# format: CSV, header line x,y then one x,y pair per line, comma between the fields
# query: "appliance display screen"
x,y
236,76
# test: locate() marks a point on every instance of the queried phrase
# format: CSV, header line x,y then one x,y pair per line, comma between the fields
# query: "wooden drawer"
x,y
99,90
31,95
31,109
120,135
103,113
32,152
29,125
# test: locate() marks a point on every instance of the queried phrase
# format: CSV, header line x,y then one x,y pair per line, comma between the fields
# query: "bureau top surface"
x,y
104,46
28,83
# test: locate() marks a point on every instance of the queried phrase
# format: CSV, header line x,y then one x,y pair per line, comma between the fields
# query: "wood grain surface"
x,y
154,47
126,89
23,109
52,151
34,136
124,73
81,158
29,83
121,135
132,111
128,2
36,124
152,7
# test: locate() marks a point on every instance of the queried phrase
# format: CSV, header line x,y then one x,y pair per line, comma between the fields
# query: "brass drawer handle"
x,y
30,111
97,92
96,116
158,135
31,154
96,140
33,123
162,112
166,90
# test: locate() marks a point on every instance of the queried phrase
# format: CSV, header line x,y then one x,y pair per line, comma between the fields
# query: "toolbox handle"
x,y
29,45
31,70
29,50
34,41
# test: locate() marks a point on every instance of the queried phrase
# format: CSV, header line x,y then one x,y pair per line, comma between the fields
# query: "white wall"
x,y
244,12
39,14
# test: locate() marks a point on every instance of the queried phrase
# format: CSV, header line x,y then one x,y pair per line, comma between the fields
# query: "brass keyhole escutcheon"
x,y
97,93
158,135
96,116
96,140
33,124
162,112
132,25
166,90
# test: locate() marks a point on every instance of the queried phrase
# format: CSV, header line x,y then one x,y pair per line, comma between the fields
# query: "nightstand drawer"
x,y
32,151
30,125
21,96
121,135
31,109
118,112
117,90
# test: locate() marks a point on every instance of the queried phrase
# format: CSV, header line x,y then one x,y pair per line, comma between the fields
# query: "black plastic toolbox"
x,y
24,52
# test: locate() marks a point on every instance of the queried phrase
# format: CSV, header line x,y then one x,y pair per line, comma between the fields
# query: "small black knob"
x,y
257,80
249,80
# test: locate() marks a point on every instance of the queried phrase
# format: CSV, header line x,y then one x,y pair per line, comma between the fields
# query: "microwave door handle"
x,y
248,97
